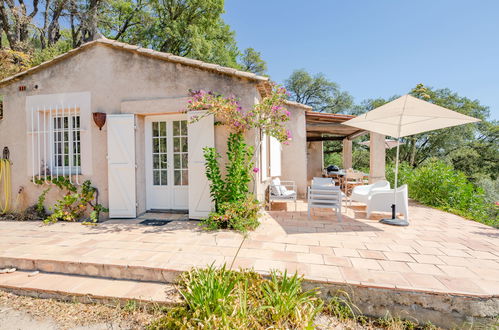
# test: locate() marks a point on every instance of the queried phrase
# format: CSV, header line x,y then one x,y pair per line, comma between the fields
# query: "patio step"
x,y
87,289
98,270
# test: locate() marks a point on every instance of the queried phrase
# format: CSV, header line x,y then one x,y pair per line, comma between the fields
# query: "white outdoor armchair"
x,y
325,197
362,193
282,191
382,200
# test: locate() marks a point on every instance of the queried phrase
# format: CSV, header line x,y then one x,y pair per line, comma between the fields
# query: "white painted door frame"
x,y
169,196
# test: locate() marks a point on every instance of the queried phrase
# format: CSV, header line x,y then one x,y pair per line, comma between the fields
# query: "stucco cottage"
x,y
147,156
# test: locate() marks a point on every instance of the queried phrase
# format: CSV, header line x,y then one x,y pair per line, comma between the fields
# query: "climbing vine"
x,y
77,202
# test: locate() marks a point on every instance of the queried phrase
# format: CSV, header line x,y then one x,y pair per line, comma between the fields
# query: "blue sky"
x,y
378,48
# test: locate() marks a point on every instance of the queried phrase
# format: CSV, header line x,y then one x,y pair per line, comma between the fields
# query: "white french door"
x,y
167,177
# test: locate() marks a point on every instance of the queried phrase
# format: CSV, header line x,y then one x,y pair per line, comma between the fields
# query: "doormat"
x,y
154,222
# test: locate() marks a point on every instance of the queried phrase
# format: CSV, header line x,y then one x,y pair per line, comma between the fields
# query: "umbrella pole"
x,y
394,205
394,221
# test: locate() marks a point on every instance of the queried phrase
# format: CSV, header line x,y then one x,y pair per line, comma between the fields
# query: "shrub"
x,y
218,298
241,215
75,203
437,184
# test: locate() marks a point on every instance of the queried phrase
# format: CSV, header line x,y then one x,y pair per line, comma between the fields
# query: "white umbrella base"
x,y
395,222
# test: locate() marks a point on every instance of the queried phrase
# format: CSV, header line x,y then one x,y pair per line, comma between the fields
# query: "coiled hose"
x,y
4,185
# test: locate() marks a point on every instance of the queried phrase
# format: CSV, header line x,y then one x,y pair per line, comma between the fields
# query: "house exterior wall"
x,y
294,155
118,82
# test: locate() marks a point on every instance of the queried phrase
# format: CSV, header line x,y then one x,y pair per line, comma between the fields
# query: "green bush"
x,y
218,298
241,215
235,207
437,184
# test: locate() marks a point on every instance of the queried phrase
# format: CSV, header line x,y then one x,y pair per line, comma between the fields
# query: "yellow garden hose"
x,y
4,185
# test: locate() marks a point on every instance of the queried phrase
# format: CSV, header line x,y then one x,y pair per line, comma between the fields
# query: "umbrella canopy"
x,y
388,143
408,115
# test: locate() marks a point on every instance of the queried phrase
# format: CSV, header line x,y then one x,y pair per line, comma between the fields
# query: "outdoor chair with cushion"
x,y
325,197
282,191
361,193
317,181
382,200
353,179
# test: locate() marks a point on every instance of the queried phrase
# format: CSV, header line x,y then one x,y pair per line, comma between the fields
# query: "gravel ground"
x,y
19,312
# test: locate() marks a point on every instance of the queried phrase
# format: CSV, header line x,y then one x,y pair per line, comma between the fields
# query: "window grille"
x,y
56,143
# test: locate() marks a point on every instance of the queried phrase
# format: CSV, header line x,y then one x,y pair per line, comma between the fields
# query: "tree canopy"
x,y
318,92
191,28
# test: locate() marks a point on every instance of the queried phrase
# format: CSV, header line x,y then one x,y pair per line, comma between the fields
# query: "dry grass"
x,y
68,315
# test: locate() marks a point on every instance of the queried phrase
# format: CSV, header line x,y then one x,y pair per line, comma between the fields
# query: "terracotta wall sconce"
x,y
99,119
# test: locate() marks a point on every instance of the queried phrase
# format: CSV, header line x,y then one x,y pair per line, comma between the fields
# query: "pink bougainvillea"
x,y
269,115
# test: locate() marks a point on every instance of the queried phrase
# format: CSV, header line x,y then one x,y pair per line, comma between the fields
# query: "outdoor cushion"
x,y
275,187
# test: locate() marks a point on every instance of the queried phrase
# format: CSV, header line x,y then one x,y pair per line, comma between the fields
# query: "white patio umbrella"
x,y
389,143
406,116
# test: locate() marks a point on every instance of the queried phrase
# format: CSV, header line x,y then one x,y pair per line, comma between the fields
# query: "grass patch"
x,y
218,298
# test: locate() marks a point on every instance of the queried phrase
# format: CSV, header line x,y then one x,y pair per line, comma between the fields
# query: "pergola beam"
x,y
324,138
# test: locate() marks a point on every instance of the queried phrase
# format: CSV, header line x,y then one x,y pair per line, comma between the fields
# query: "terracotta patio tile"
x,y
269,265
460,284
482,255
310,258
384,278
372,254
342,252
398,256
298,248
401,248
427,259
377,247
457,271
365,263
425,269
455,252
395,266
424,282
285,256
330,272
429,250
337,261
325,250
455,261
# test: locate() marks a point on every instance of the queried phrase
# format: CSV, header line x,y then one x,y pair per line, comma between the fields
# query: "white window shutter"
x,y
275,157
121,165
264,161
200,134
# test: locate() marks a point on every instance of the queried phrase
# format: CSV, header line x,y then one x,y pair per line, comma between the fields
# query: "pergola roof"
x,y
328,127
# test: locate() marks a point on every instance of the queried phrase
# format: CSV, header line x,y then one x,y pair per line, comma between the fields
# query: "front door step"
x,y
110,271
87,289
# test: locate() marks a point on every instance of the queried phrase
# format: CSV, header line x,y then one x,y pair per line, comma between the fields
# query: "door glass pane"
x,y
155,145
184,144
155,177
183,127
159,153
176,144
162,128
185,178
155,129
184,161
155,162
178,177
176,128
164,177
176,162
163,160
162,144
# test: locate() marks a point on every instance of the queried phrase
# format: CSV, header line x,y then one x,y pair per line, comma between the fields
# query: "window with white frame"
x,y
66,156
